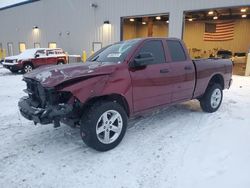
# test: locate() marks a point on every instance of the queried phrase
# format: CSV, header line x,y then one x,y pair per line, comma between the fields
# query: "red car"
x,y
33,58
120,81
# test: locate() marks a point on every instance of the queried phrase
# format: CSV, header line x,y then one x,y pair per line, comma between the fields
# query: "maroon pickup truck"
x,y
120,81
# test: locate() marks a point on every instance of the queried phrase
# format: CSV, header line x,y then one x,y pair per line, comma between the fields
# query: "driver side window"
x,y
155,47
40,53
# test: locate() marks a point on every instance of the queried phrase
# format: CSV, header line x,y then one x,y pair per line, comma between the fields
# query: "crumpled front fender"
x,y
88,88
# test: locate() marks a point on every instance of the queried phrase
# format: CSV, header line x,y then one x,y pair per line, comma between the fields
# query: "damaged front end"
x,y
46,105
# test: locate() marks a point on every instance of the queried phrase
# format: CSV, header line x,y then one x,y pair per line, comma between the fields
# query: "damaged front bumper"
x,y
49,114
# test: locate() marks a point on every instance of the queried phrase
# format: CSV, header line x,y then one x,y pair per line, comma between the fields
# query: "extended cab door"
x,y
183,71
152,82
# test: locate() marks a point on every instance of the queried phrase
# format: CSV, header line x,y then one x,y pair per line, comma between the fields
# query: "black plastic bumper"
x,y
50,114
12,67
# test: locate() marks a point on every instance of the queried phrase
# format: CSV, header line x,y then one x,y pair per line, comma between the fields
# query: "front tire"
x,y
27,68
211,100
103,126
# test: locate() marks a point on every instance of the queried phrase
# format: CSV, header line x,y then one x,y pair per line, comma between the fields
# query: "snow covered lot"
x,y
177,147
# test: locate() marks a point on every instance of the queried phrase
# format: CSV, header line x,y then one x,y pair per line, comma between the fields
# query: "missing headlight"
x,y
64,96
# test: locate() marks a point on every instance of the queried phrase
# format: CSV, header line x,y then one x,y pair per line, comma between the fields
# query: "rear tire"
x,y
103,125
211,100
60,63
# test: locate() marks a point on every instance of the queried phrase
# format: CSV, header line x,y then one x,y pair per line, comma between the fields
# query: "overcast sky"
x,y
5,3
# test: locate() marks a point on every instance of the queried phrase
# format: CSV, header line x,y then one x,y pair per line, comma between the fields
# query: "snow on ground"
x,y
177,147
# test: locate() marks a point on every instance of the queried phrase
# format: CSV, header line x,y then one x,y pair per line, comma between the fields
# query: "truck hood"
x,y
28,54
51,76
16,57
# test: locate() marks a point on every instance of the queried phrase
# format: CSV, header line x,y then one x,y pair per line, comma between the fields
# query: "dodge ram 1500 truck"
x,y
120,81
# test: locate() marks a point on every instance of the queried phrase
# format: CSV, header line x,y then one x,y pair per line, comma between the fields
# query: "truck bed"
x,y
207,68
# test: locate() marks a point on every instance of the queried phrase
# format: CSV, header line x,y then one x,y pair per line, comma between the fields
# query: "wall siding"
x,y
85,24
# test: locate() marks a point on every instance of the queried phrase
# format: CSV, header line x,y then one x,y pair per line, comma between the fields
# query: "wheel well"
x,y
28,63
60,60
218,79
114,98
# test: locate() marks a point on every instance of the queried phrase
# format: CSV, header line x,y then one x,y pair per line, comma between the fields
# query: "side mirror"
x,y
37,55
143,59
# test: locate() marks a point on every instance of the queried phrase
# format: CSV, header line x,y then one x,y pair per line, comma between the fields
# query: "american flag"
x,y
222,31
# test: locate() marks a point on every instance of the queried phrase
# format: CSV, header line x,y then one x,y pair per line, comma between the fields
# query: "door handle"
x,y
188,68
164,71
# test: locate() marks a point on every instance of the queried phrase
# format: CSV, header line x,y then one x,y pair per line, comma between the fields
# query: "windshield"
x,y
114,53
28,52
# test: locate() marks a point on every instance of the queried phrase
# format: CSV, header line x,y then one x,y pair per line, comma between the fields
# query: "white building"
x,y
77,25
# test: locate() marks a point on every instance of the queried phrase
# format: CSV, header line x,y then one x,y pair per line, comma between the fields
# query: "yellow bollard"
x,y
4,53
84,56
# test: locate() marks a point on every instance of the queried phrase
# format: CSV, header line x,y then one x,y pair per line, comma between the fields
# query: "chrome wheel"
x,y
216,98
28,68
103,125
109,126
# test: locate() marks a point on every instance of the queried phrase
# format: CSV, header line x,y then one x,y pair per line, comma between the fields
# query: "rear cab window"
x,y
59,52
176,51
50,53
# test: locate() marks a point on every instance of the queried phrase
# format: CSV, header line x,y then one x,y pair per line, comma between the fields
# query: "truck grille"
x,y
8,61
36,92
44,96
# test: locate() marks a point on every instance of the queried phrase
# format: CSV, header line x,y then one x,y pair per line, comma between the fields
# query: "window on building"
x,y
96,46
52,44
22,47
176,51
154,47
37,45
10,49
